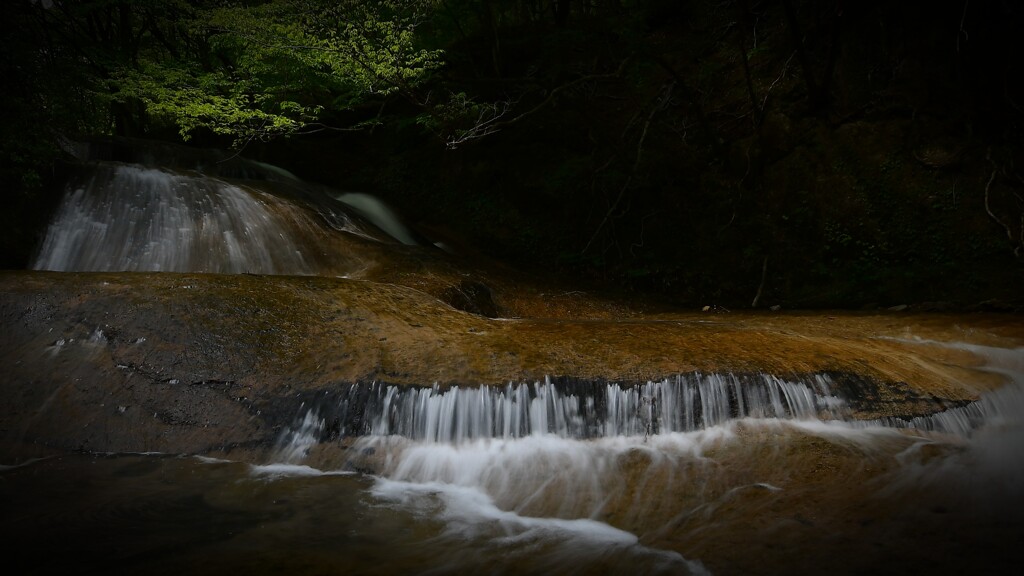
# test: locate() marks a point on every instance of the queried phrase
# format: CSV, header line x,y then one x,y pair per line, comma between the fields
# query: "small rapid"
x,y
675,475
580,409
695,474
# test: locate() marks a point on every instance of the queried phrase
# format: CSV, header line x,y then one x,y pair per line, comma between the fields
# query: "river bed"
x,y
749,495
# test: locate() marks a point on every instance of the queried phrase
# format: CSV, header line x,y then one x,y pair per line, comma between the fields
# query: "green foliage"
x,y
213,101
622,140
281,61
250,70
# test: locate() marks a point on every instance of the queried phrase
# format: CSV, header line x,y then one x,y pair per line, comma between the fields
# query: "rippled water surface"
x,y
703,473
762,492
750,497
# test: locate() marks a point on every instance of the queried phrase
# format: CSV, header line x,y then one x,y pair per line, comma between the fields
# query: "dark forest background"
x,y
802,153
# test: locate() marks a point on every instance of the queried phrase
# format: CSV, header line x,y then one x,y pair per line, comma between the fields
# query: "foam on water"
x,y
211,460
28,462
470,514
288,470
467,508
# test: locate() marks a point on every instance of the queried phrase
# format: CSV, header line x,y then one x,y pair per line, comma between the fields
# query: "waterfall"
x,y
580,409
294,443
132,218
139,218
377,212
991,408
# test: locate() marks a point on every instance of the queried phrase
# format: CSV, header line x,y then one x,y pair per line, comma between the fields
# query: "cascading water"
x,y
294,443
379,213
722,473
132,218
701,473
582,409
630,475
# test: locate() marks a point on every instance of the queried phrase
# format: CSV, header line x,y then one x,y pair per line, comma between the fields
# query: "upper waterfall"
x,y
132,218
143,218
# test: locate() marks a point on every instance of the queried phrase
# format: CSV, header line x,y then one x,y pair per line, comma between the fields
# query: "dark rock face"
x,y
473,297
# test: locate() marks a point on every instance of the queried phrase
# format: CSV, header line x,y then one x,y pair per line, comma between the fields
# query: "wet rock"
x,y
226,366
997,306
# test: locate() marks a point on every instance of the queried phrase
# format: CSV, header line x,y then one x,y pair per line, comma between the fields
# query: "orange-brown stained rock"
x,y
188,362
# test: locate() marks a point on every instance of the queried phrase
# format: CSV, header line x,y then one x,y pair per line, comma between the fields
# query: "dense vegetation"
x,y
732,151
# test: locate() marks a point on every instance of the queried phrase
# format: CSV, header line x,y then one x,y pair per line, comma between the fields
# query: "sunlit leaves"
x,y
252,70
247,69
287,57
191,101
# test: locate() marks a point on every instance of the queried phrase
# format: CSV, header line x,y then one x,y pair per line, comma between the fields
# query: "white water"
x,y
131,218
753,494
582,410
294,443
989,471
503,538
995,409
128,217
378,213
598,469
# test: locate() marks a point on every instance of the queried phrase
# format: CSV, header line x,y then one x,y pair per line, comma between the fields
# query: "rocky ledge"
x,y
194,363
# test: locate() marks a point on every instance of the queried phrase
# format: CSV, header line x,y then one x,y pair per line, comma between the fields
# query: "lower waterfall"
x,y
569,476
579,409
702,473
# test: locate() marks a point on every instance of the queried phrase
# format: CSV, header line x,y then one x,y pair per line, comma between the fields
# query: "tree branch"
x,y
556,91
1018,244
636,163
760,288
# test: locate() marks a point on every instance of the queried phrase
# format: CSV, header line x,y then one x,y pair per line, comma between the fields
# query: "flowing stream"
x,y
131,217
713,473
718,474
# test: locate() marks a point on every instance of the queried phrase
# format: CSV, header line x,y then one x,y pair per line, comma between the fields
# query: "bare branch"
x,y
760,288
785,68
962,31
659,106
558,90
988,186
488,122
1018,243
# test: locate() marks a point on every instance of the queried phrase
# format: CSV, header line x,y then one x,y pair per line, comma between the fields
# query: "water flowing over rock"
x,y
576,409
379,213
423,416
131,217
